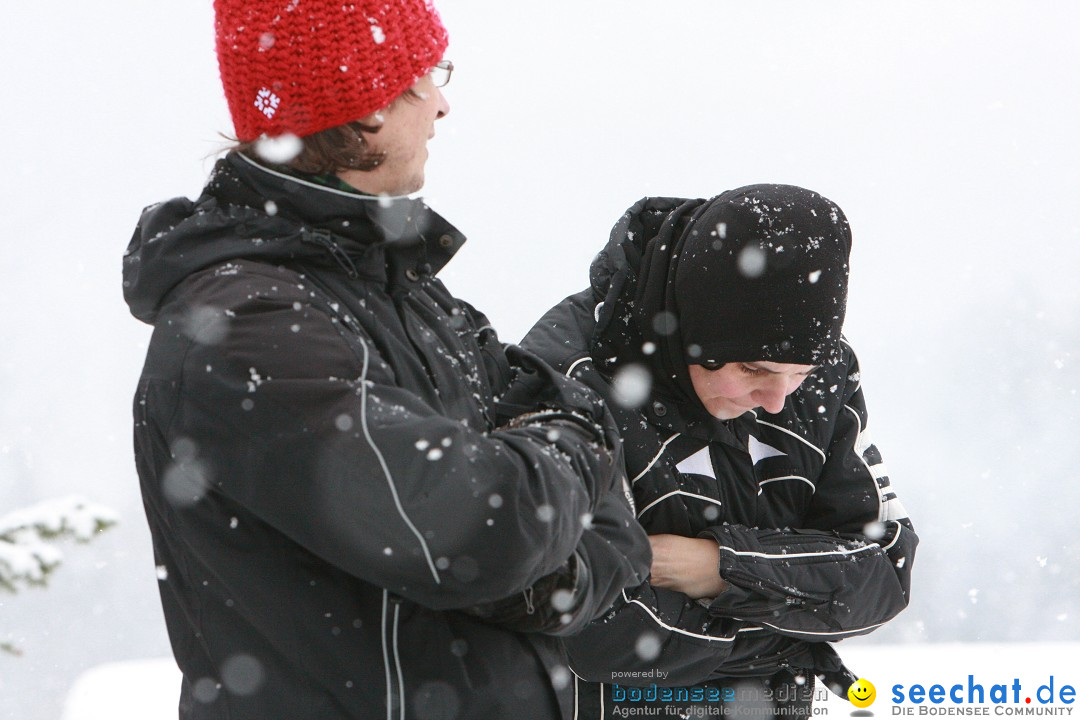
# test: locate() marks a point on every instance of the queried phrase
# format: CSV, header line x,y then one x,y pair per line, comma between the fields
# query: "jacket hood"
x,y
631,307
756,273
250,212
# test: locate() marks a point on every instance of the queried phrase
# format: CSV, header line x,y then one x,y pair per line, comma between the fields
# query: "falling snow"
x,y
751,262
631,385
647,646
279,150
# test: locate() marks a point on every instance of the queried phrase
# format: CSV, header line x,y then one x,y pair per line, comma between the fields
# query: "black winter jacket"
x,y
813,541
355,492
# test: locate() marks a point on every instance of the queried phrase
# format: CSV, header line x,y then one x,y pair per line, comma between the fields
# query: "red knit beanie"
x,y
301,66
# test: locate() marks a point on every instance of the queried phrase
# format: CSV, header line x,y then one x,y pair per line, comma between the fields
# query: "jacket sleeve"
x,y
274,415
848,571
613,553
650,630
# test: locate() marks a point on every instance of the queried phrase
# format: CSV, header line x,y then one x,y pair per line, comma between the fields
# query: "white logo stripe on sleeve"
x,y
864,441
859,447
894,509
789,556
890,507
661,623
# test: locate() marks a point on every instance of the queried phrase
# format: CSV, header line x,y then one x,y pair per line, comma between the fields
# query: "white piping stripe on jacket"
x,y
575,697
323,188
397,662
574,364
899,529
834,633
385,468
788,556
801,439
789,477
873,481
658,621
652,462
386,660
678,492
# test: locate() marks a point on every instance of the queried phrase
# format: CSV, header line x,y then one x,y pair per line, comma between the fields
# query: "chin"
x,y
414,185
726,414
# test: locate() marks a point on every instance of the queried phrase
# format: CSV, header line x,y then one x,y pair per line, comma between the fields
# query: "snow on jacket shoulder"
x,y
330,480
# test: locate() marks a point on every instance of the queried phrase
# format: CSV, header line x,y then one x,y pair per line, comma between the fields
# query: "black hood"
x,y
629,281
250,212
674,284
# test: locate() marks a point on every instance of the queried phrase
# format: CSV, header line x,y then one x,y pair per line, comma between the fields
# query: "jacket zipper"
x,y
386,661
390,647
325,240
397,661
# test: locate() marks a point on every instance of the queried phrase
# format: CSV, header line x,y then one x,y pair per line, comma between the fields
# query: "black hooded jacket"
x,y
357,495
813,541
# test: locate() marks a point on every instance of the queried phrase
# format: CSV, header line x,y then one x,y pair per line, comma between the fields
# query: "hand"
x,y
688,565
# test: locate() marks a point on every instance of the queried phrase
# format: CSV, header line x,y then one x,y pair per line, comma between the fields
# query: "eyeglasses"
x,y
440,74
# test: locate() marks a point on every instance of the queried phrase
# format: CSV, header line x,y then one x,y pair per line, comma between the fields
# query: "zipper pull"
x,y
528,593
325,240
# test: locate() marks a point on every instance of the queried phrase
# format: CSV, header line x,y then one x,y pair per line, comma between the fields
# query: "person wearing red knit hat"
x,y
302,67
362,504
335,75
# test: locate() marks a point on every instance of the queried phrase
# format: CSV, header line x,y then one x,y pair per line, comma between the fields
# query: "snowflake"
x,y
267,102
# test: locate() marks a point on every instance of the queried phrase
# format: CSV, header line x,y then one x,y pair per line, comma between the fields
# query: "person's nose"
x,y
443,106
771,397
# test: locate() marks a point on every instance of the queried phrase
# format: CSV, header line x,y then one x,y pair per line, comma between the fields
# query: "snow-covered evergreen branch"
x,y
26,555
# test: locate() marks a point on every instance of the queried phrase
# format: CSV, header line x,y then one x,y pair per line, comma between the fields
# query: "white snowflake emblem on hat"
x,y
267,102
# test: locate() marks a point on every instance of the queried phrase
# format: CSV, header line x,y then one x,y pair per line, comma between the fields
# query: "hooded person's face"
x,y
734,388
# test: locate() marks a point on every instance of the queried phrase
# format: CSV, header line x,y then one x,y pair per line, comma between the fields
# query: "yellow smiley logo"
x,y
862,693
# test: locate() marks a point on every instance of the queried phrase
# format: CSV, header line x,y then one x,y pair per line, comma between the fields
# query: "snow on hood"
x,y
179,237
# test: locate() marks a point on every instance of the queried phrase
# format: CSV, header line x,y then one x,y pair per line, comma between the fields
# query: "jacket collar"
x,y
251,212
355,221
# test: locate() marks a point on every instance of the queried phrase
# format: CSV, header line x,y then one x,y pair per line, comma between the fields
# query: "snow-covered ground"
x,y
148,689
129,690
